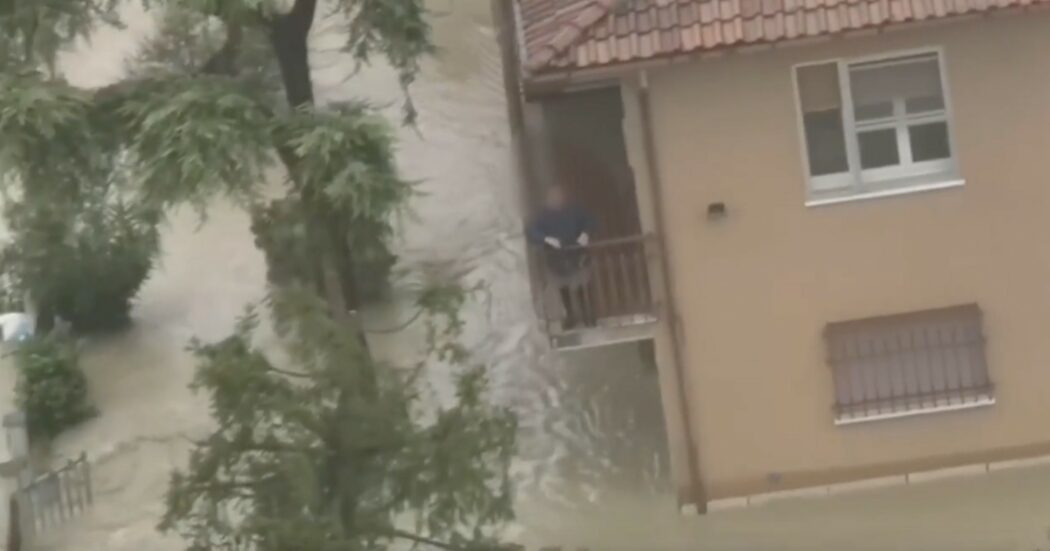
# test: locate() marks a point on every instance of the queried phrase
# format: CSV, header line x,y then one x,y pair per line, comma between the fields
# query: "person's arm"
x,y
536,235
533,233
587,224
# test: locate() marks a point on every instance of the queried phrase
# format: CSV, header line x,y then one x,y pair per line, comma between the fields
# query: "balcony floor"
x,y
608,332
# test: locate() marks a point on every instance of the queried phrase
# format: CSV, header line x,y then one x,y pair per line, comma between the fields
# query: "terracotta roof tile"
x,y
574,34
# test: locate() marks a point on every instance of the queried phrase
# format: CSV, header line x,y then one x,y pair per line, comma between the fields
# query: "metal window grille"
x,y
907,364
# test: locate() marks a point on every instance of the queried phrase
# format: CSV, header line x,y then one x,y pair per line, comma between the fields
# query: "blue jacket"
x,y
566,225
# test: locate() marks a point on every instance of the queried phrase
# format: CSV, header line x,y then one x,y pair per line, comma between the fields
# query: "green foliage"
x,y
346,154
186,40
194,137
282,233
85,271
33,32
326,449
78,249
197,120
226,9
318,448
48,131
397,29
10,301
52,390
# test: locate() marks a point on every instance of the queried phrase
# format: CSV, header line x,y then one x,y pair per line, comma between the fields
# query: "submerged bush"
x,y
86,273
52,390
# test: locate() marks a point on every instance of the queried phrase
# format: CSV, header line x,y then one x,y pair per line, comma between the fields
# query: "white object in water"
x,y
16,327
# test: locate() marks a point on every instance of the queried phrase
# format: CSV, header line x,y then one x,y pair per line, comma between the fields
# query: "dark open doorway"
x,y
587,153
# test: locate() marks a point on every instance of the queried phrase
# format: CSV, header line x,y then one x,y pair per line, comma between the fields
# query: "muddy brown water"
x,y
593,470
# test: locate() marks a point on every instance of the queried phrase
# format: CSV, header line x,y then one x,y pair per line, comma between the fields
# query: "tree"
x,y
79,248
325,449
202,116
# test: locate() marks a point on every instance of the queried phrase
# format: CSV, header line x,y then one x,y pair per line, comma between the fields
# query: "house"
x,y
828,217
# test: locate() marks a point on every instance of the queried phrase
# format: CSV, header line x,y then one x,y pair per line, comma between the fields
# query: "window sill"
x,y
904,190
984,401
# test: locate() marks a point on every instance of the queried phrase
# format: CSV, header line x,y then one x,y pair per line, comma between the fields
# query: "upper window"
x,y
873,126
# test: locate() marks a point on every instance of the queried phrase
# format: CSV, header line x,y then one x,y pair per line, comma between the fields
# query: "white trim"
x,y
849,126
901,173
888,57
984,401
917,188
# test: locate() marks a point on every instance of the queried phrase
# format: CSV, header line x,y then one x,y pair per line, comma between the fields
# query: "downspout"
x,y
503,12
504,15
698,494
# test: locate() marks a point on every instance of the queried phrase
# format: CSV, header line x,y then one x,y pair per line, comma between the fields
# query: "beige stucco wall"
x,y
755,290
674,412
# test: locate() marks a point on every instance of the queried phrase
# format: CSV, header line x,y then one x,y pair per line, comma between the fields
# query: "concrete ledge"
x,y
921,477
867,484
816,491
951,472
727,504
1019,463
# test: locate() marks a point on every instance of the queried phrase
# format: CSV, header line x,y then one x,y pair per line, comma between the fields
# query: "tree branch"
x,y
303,13
224,61
427,541
287,373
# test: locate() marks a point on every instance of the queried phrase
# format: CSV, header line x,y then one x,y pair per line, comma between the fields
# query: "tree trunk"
x,y
288,35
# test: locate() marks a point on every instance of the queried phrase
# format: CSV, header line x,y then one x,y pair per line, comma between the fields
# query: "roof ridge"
x,y
571,33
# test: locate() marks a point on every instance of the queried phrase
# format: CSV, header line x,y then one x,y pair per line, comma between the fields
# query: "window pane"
x,y
929,142
878,148
821,104
818,87
907,78
873,111
826,143
924,105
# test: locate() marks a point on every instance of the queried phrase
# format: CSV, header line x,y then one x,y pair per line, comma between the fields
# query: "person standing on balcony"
x,y
563,229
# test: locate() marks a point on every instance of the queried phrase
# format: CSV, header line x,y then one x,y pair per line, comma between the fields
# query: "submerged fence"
x,y
49,500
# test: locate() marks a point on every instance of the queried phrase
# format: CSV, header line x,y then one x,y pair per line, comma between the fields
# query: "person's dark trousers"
x,y
577,307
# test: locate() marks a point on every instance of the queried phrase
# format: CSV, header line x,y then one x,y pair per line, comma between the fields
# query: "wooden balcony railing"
x,y
608,284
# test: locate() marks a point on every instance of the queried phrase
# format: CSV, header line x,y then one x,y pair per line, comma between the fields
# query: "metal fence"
x,y
906,363
52,499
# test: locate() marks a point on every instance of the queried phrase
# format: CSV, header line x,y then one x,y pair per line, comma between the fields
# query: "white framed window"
x,y
875,126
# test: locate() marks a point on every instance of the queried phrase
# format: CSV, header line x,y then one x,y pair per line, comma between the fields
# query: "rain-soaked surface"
x,y
593,468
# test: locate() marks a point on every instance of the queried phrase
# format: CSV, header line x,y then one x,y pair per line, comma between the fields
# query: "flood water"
x,y
593,467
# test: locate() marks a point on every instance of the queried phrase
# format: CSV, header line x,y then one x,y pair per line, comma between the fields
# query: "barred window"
x,y
908,364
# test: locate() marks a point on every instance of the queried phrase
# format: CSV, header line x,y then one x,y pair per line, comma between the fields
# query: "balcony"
x,y
610,295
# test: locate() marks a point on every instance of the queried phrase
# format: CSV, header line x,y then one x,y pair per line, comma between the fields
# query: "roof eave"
x,y
546,80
